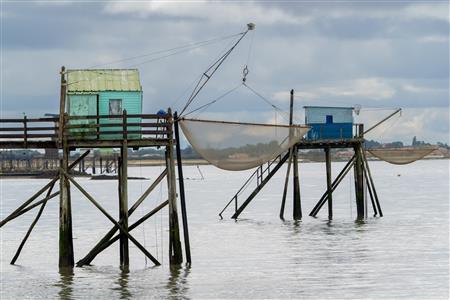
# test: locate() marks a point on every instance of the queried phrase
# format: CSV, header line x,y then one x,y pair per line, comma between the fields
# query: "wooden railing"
x,y
112,127
29,129
77,129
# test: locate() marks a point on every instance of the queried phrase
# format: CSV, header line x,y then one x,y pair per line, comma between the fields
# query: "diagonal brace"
x,y
18,211
334,185
96,204
108,243
91,255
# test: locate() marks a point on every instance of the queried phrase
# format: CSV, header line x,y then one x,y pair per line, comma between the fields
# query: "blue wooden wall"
x,y
329,122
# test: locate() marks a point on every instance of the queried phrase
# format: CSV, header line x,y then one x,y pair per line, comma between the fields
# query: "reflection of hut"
x,y
329,122
104,92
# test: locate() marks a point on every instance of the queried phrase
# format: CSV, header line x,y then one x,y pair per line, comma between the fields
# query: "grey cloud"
x,y
321,46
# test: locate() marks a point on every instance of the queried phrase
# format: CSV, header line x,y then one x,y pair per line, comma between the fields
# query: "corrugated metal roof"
x,y
103,80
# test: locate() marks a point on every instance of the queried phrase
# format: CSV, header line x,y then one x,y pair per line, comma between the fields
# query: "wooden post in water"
x,y
187,247
65,211
93,163
297,206
329,185
359,183
175,252
123,195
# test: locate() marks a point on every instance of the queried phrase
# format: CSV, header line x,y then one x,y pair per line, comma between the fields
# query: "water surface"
x,y
405,254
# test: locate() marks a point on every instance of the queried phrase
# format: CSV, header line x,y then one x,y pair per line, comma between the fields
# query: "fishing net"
x,y
401,156
239,146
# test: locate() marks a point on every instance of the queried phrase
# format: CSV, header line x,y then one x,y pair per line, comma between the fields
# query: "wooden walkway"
x,y
85,132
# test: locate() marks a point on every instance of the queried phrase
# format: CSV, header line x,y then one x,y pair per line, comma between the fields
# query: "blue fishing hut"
x,y
329,122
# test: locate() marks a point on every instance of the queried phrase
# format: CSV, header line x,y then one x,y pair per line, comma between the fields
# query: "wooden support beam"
x,y
297,207
187,246
334,185
105,213
260,186
123,199
65,215
369,187
286,184
93,253
175,252
25,208
28,208
36,219
375,195
113,238
359,183
26,203
329,184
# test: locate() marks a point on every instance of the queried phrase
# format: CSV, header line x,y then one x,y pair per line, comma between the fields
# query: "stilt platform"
x,y
69,133
358,162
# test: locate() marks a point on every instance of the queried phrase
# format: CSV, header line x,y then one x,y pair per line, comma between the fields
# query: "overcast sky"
x,y
375,54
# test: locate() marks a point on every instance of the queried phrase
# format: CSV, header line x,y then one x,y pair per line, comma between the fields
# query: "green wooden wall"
x,y
86,104
131,101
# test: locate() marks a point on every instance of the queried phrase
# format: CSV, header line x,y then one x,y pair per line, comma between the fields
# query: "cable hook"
x,y
245,72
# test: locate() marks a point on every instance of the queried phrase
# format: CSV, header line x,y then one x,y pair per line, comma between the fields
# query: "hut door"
x,y
83,105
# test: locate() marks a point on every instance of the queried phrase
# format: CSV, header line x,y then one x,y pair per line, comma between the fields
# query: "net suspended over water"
x,y
401,156
239,146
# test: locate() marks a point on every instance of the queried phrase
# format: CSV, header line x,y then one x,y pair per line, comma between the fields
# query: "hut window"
x,y
115,106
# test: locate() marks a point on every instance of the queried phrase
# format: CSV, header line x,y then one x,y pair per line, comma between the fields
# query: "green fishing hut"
x,y
103,92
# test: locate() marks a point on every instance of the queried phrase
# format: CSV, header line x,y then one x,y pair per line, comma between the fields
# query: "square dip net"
x,y
236,146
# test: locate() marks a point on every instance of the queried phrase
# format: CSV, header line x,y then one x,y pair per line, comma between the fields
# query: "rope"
x,y
207,42
184,48
203,107
387,127
266,101
250,47
143,210
211,70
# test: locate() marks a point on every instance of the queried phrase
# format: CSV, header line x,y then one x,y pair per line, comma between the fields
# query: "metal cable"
x,y
214,101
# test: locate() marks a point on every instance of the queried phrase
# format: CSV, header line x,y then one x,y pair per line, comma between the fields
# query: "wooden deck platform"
x,y
85,132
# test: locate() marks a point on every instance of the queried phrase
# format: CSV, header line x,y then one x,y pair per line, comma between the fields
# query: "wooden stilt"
x,y
93,253
123,200
119,186
286,184
375,195
329,184
187,246
65,216
374,207
297,211
334,185
175,252
93,164
359,184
